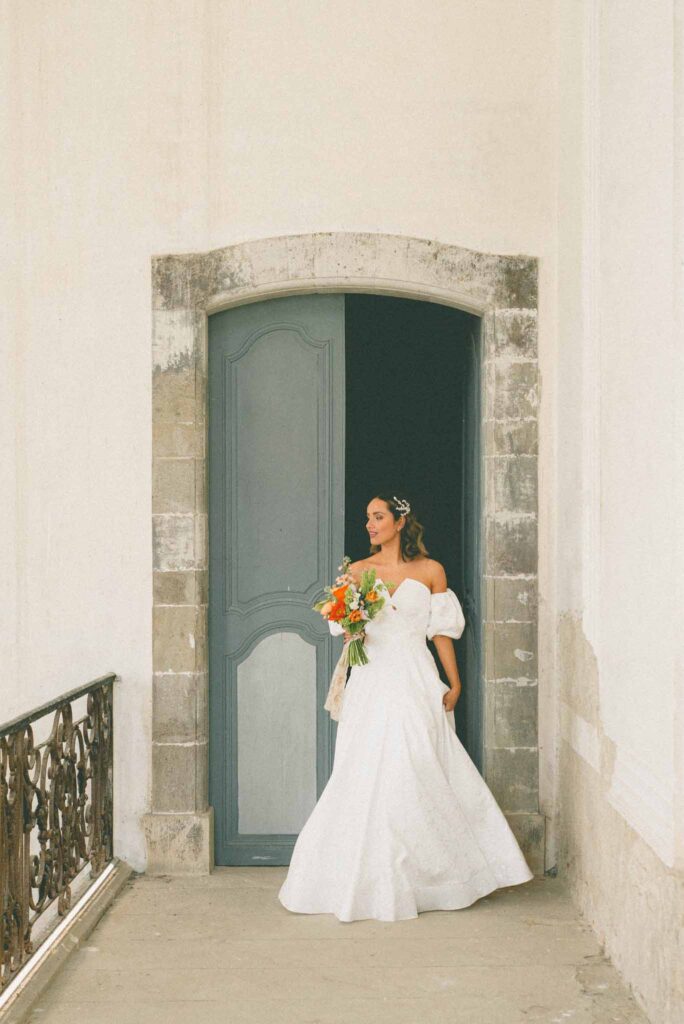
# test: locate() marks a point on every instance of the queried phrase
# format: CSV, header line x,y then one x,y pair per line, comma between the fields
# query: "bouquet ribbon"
x,y
333,702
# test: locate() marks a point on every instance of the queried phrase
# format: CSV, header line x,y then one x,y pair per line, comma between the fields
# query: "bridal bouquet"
x,y
352,606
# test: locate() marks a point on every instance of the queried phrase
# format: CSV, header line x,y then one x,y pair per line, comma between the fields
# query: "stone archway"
x,y
185,289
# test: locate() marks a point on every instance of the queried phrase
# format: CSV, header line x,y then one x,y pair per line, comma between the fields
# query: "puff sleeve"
x,y
335,628
446,615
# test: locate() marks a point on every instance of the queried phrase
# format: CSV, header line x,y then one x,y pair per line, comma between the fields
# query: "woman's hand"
x,y
449,699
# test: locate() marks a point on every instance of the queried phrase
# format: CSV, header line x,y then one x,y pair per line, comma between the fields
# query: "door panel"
x,y
276,535
268,801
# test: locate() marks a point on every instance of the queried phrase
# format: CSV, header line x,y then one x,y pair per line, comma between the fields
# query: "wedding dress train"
x,y
405,823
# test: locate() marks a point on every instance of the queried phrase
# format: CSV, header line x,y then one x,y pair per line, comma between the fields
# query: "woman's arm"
x,y
447,656
445,644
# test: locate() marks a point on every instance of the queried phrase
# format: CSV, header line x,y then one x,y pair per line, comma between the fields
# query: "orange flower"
x,y
355,615
371,596
339,610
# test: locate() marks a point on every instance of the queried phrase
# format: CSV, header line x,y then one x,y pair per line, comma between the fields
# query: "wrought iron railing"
x,y
56,811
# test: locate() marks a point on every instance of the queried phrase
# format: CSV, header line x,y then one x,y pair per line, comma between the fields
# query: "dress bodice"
x,y
412,609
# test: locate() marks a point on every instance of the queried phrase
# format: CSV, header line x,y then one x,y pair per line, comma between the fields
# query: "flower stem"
x,y
356,653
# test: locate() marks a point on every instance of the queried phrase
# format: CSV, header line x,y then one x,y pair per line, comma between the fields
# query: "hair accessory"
x,y
402,506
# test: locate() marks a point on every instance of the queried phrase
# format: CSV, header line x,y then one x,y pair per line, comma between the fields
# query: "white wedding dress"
x,y
406,823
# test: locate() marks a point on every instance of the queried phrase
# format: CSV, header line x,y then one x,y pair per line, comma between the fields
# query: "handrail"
x,y
44,709
56,812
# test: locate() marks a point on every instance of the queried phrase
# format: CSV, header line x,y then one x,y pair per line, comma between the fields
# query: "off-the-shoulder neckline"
x,y
411,579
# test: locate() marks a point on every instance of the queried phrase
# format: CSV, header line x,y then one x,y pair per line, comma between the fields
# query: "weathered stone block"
x,y
511,437
511,483
221,272
517,282
511,390
202,586
177,440
200,398
473,274
201,541
201,646
173,541
511,545
173,395
179,844
179,777
270,260
301,255
511,714
173,485
179,708
351,255
514,334
513,777
173,339
510,650
200,485
174,641
201,342
509,599
171,282
175,587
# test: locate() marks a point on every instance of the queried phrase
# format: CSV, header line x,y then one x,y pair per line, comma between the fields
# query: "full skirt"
x,y
406,823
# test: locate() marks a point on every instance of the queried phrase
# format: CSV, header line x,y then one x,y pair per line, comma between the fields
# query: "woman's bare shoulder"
x,y
437,575
356,568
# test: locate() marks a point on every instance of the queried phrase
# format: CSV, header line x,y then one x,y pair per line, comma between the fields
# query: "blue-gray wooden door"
x,y
276,536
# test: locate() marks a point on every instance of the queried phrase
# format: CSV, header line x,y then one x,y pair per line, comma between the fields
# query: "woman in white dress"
x,y
406,823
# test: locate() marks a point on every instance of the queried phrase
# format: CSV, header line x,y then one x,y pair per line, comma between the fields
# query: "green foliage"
x,y
366,585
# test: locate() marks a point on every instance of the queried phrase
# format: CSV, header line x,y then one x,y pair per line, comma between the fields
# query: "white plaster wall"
x,y
8,379
546,127
105,147
151,126
620,483
640,392
429,119
620,358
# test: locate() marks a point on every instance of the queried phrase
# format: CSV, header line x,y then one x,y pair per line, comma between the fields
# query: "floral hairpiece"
x,y
401,504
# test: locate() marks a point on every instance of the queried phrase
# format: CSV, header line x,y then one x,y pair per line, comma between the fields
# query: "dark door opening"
x,y
412,424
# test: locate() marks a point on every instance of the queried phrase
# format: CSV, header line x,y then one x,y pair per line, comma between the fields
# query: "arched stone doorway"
x,y
502,290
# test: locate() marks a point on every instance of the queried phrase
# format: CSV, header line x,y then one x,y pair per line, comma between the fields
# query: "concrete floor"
x,y
222,948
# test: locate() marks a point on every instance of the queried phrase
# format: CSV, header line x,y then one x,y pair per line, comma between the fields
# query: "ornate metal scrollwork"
x,y
56,812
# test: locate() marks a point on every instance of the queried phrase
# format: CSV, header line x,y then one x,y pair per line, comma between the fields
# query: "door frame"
x,y
186,289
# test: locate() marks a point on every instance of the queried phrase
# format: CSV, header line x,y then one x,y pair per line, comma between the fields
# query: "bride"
x,y
406,823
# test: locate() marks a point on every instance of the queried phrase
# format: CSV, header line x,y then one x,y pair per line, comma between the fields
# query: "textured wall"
x,y
550,129
140,128
620,492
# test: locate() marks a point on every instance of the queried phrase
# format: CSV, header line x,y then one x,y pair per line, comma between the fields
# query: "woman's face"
x,y
380,523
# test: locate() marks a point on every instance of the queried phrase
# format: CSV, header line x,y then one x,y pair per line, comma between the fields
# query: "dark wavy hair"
x,y
411,533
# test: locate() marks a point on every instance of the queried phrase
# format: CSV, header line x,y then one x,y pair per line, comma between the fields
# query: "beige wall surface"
x,y
140,128
551,128
619,777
